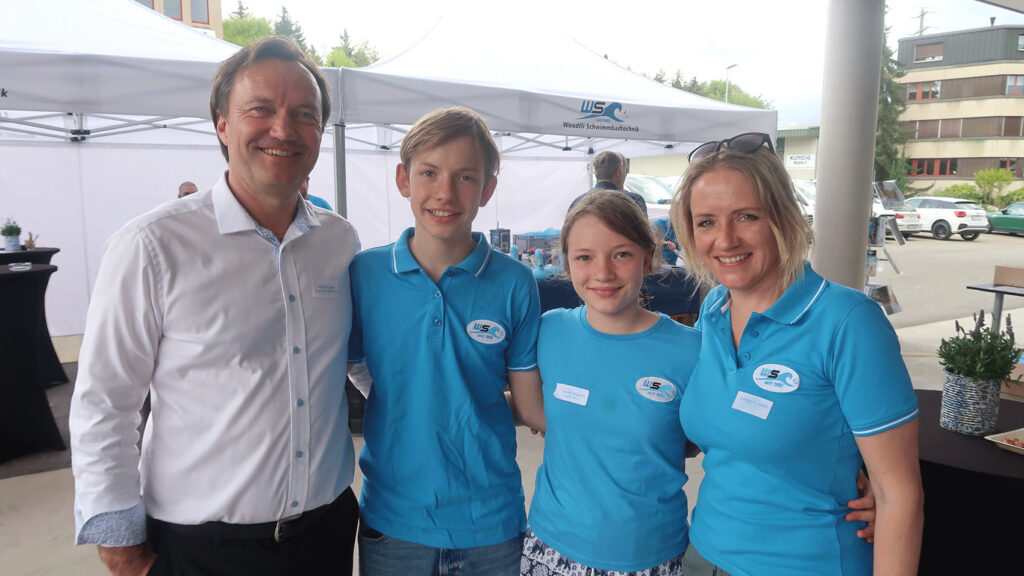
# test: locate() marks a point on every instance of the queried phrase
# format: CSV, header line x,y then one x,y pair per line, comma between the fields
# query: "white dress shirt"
x,y
242,342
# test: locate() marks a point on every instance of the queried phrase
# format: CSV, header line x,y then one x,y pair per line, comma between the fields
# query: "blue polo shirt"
x,y
776,420
609,493
439,461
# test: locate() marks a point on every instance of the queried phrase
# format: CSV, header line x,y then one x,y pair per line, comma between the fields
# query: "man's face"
x,y
186,189
271,128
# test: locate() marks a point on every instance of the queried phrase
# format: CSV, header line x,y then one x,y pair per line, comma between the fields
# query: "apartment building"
x,y
202,14
965,104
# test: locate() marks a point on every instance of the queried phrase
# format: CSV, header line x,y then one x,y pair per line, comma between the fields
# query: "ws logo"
x,y
600,109
485,331
776,378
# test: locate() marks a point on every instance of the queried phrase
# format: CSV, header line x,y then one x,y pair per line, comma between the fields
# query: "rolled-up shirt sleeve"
x,y
116,365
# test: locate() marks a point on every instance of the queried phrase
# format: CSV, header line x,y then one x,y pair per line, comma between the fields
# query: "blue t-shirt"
x,y
439,461
609,492
776,419
318,201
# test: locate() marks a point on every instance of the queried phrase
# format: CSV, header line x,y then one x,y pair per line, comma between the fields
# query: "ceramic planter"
x,y
12,243
969,406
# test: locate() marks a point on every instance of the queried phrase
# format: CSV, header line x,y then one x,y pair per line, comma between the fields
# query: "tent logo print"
x,y
602,110
3,92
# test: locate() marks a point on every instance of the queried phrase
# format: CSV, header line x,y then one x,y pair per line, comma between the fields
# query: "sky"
x,y
777,47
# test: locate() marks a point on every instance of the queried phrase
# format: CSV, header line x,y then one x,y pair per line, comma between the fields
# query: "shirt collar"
x,y
605,185
795,301
233,217
403,260
798,298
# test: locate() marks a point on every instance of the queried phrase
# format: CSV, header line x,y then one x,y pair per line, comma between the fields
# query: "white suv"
x,y
948,216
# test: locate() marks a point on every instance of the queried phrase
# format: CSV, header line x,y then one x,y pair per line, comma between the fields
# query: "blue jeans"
x,y
382,555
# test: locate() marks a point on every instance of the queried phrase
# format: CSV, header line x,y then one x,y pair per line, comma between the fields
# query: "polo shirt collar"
x,y
232,216
799,298
605,185
403,260
793,304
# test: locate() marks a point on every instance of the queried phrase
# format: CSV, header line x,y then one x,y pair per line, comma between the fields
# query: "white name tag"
x,y
326,290
753,405
572,394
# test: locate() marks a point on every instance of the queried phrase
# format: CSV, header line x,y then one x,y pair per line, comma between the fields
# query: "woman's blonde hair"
x,y
775,193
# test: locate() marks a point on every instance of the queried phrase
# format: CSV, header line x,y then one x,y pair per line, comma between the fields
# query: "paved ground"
x,y
36,526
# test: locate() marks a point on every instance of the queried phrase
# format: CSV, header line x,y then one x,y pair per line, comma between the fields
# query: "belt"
x,y
281,530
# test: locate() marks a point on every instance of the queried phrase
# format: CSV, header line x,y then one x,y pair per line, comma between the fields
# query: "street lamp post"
x,y
727,68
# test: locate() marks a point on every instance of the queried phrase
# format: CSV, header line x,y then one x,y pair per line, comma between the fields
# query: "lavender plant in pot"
x,y
976,362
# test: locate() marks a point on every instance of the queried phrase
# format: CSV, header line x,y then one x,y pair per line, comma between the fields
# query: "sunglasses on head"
x,y
747,143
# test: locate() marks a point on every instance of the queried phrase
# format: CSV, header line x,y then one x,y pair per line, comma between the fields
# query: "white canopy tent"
x,y
104,104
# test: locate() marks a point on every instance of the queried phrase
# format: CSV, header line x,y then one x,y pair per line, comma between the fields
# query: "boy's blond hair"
x,y
446,124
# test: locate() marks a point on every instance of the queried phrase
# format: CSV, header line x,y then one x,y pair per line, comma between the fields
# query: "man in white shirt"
x,y
232,308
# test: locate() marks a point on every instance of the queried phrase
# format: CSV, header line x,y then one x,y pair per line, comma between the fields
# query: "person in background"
x,y
186,188
315,200
610,170
232,307
799,383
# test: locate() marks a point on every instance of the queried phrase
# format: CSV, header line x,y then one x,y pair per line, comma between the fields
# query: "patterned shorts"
x,y
541,560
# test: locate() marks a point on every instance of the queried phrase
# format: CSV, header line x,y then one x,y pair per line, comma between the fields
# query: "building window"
x,y
146,3
932,167
928,52
1015,85
201,11
1009,164
172,9
1020,42
923,91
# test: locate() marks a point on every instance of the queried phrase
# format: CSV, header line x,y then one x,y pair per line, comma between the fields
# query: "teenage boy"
x,y
444,323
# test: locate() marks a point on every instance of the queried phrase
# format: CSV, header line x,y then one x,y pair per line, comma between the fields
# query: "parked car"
x,y
889,195
947,216
806,192
656,193
1009,219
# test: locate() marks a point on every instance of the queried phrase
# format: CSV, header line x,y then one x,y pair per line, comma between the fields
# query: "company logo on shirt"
x,y
776,378
657,389
485,331
326,290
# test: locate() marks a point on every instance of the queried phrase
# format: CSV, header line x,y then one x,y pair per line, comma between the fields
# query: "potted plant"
x,y
976,363
12,235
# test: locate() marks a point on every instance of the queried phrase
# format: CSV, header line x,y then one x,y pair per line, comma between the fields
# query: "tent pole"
x,y
340,174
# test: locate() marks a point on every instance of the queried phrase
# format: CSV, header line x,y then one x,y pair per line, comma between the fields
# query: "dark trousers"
x,y
325,547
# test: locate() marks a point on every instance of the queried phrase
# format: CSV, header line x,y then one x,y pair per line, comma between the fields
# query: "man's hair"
x,y
186,183
274,47
774,189
446,124
607,162
619,213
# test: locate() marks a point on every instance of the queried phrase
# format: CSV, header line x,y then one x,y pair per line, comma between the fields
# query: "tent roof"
x,y
541,82
106,57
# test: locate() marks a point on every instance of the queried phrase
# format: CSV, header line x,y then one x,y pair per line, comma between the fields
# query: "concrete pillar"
x,y
846,145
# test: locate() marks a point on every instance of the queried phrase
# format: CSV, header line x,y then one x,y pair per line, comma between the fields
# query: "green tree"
x,y
715,89
242,28
677,80
660,76
241,12
991,184
349,55
285,26
338,58
890,156
961,190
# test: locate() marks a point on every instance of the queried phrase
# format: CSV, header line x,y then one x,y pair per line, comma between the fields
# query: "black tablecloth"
x,y
26,423
23,316
972,490
671,292
35,256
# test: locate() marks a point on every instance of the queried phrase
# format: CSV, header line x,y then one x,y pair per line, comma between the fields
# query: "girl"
x,y
609,493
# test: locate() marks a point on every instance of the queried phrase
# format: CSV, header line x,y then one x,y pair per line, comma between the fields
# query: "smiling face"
x,y
732,234
272,129
446,185
607,271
